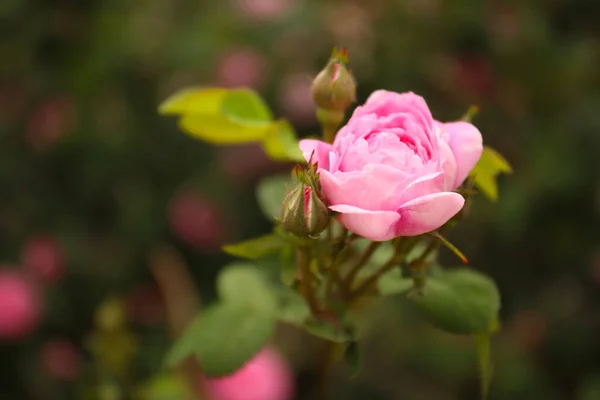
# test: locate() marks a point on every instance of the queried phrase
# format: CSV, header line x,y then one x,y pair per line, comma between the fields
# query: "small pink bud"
x,y
20,305
61,360
42,257
334,88
303,213
266,377
196,222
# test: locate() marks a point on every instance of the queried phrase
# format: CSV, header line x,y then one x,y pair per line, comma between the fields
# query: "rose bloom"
x,y
266,377
391,170
20,305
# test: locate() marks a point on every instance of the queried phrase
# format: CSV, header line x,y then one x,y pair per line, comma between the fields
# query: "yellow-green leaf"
x,y
194,100
489,166
281,143
218,129
221,116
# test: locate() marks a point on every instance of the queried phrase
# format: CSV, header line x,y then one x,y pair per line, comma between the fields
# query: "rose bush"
x,y
392,169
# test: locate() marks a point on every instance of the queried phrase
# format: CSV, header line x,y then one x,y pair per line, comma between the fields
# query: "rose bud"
x,y
20,305
303,213
334,88
266,377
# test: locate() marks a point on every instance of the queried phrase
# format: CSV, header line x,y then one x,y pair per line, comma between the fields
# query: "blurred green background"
x,y
93,181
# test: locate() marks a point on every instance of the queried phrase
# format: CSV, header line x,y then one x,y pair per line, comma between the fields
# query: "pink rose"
x,y
266,377
391,170
20,304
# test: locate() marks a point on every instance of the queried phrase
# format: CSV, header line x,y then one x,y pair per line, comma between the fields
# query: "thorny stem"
x,y
303,261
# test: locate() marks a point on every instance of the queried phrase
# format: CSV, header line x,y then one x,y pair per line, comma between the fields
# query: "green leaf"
x,y
220,116
354,359
327,331
392,283
206,101
460,301
483,343
243,284
219,129
281,143
270,193
289,270
223,338
246,107
257,247
292,307
164,387
489,166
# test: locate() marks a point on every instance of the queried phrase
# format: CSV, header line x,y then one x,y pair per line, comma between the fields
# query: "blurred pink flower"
x,y
61,359
43,258
241,67
145,305
195,221
474,75
50,122
20,305
246,162
264,10
266,377
295,95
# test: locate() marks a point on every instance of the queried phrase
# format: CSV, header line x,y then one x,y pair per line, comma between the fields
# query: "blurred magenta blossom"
x,y
241,66
145,305
296,98
196,221
61,359
264,10
20,304
50,122
266,377
42,257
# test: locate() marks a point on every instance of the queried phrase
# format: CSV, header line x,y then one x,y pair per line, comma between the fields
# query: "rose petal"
x,y
427,213
321,151
373,225
376,187
466,144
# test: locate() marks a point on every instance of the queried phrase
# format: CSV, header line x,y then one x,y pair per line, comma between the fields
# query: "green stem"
x,y
327,362
366,285
329,132
303,258
360,263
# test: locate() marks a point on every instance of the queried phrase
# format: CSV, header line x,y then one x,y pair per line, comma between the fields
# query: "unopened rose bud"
x,y
334,88
303,213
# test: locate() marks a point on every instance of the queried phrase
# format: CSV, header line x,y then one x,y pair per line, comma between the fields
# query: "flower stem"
x,y
327,362
303,257
360,263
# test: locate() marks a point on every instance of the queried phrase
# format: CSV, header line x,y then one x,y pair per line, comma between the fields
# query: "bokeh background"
x,y
97,190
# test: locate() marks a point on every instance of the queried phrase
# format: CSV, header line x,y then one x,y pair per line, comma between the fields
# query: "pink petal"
x,y
376,187
466,144
373,225
427,213
321,151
